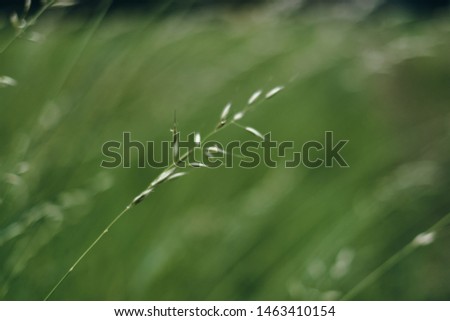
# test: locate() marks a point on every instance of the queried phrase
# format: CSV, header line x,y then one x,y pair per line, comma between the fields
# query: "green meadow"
x,y
376,230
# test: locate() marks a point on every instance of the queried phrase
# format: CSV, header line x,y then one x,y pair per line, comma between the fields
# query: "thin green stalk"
x,y
392,261
87,251
111,224
224,122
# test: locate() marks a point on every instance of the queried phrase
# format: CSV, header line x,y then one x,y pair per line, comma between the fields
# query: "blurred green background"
x,y
381,82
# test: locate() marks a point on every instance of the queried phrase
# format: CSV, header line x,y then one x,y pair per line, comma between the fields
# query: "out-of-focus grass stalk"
x,y
420,240
29,23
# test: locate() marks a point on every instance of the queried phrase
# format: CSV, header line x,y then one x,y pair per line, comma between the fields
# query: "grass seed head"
x,y
197,139
254,97
6,81
274,91
238,116
254,132
27,6
163,176
176,175
64,3
225,112
214,149
141,196
424,239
